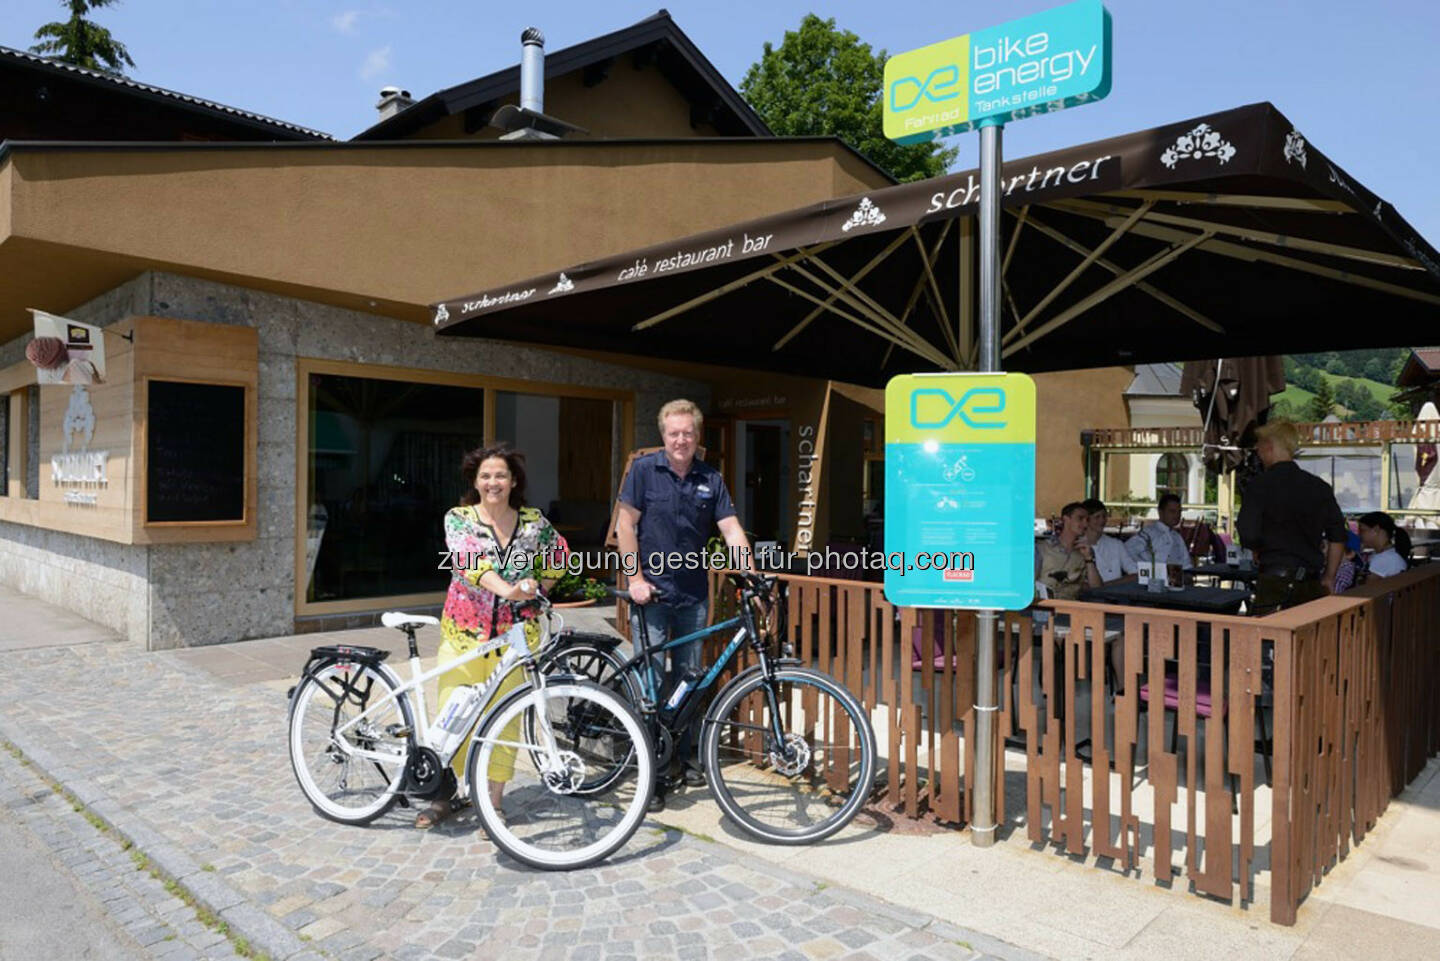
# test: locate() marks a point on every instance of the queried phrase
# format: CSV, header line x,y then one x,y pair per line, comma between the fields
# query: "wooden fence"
x,y
1336,704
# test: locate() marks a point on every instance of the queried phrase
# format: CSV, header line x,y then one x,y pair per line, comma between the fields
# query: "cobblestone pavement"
x,y
195,773
111,907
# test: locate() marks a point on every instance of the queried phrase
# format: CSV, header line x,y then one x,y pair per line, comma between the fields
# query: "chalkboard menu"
x,y
195,452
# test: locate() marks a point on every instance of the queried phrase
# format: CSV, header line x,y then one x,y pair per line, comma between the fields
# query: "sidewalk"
x,y
184,752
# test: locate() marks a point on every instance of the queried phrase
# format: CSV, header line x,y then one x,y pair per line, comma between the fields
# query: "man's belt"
x,y
1292,573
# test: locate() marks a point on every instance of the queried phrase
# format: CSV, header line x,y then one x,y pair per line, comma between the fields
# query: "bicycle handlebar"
x,y
655,595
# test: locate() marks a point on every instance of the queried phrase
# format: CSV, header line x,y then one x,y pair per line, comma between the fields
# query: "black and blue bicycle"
x,y
788,752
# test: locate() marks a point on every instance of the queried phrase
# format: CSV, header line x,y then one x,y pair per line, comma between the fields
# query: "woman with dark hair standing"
x,y
1391,544
494,542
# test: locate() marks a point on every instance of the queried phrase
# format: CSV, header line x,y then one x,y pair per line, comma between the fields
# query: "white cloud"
x,y
376,63
345,22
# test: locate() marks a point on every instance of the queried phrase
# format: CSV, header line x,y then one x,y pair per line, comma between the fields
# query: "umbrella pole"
x,y
982,818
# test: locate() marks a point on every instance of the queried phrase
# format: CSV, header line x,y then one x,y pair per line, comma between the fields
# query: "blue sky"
x,y
1359,80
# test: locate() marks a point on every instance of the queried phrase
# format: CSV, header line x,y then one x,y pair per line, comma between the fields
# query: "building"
x,y
1153,399
278,431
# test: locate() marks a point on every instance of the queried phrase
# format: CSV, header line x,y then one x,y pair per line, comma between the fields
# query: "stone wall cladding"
x,y
98,579
185,595
211,593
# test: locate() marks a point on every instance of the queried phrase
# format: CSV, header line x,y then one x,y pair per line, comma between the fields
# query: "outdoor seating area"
x,y
1238,758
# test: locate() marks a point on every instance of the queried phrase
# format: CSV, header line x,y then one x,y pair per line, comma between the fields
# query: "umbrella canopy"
x,y
1232,397
1224,235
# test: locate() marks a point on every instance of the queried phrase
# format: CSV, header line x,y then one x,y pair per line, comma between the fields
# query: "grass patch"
x,y
208,867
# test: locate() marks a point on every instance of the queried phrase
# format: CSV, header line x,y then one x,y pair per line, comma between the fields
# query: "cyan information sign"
x,y
960,491
1038,64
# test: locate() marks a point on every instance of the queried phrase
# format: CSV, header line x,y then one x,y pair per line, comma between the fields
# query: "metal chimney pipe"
x,y
532,70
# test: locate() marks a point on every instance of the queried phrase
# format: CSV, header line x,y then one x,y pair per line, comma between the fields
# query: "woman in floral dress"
x,y
494,543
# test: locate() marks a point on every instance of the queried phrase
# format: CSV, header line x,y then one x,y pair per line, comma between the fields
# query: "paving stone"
x,y
382,891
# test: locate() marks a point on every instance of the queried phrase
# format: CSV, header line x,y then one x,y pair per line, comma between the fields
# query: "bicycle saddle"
x,y
403,621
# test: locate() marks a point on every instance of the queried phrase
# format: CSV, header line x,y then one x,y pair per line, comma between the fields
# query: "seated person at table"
x,y
1391,544
1111,558
1159,541
1064,563
1352,568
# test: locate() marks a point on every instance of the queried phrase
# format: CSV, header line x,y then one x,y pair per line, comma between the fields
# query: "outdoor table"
x,y
1228,572
1206,600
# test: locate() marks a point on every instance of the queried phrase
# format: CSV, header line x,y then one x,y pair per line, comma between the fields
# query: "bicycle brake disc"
x,y
798,758
567,776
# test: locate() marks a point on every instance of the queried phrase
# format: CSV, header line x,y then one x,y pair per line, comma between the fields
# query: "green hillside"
x,y
1381,392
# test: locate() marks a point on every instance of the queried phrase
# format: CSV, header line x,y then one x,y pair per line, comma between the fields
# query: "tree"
x,y
1374,369
1360,402
1308,378
822,80
1284,410
1322,404
81,42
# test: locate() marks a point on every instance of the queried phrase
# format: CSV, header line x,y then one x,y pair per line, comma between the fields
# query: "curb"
x,y
264,933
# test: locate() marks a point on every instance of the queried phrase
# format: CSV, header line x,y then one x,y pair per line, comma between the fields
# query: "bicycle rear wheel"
x,y
343,785
545,819
801,787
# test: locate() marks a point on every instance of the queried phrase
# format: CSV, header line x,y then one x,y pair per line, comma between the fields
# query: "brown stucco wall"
x,y
1066,403
402,225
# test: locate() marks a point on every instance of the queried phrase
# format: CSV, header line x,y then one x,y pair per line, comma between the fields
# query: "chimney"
x,y
532,70
392,101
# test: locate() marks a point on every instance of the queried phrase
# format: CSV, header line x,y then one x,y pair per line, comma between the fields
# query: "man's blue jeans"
x,y
664,622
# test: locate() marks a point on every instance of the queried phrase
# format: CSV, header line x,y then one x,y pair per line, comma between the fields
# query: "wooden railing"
x,y
1340,693
1332,708
1361,433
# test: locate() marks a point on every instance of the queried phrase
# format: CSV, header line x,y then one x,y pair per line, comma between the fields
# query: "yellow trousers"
x,y
477,672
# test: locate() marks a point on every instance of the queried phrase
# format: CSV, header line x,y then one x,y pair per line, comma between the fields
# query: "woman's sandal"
x,y
437,812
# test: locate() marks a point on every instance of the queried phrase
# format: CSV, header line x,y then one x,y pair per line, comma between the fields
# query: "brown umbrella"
x,y
1233,397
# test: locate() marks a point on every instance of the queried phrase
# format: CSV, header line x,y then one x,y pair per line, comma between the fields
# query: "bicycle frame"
x,y
644,652
743,621
517,657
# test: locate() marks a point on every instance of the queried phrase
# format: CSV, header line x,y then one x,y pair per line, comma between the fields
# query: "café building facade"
x,y
278,430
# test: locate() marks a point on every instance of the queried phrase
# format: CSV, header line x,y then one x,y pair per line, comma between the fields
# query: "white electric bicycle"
x,y
361,741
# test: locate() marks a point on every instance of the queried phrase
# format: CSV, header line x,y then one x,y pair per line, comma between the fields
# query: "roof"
x,y
151,92
1155,380
1225,235
1421,367
676,55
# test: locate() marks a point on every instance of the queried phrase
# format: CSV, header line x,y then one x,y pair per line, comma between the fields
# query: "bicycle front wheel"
x,y
803,784
551,816
580,725
351,773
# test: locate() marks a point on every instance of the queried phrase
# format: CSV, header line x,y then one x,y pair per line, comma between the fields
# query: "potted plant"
x,y
572,590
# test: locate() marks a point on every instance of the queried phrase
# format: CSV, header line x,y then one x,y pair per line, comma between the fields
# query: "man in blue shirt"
x,y
669,505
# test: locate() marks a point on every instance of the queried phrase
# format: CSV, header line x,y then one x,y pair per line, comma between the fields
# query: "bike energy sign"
x,y
960,491
1037,64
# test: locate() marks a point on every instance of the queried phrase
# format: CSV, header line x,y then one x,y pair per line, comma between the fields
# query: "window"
x,y
384,466
569,449
1172,476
